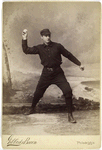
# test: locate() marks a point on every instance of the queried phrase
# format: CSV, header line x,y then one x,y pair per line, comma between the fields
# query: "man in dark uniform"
x,y
50,55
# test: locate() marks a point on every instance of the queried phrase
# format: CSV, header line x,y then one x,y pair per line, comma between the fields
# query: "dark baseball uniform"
x,y
52,73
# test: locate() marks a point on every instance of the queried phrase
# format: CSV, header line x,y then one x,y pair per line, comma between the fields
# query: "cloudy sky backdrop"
x,y
76,25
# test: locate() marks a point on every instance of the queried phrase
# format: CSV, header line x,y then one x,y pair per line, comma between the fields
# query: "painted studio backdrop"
x,y
76,25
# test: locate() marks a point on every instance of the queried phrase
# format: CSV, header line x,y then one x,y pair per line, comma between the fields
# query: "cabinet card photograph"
x,y
51,62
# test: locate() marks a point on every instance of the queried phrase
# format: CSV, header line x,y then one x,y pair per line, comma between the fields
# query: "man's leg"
x,y
43,84
62,83
40,90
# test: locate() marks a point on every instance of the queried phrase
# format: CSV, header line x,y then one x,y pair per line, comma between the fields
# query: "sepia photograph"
x,y
51,64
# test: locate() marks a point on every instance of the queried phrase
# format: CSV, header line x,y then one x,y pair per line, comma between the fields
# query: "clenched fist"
x,y
82,68
24,34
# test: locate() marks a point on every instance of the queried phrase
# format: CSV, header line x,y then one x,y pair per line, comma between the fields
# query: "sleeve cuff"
x,y
24,41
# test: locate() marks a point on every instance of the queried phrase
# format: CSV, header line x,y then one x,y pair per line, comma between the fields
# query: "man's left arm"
x,y
70,56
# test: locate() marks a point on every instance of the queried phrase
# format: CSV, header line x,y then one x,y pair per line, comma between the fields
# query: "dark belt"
x,y
52,69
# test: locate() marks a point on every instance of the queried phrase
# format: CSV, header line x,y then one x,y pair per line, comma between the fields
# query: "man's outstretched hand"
x,y
81,68
24,34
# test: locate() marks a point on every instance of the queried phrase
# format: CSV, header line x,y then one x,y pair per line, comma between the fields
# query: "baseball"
x,y
24,31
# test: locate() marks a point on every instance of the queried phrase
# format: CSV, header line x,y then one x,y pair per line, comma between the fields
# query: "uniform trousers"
x,y
53,76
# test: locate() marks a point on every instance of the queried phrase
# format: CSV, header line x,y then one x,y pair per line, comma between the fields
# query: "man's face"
x,y
46,38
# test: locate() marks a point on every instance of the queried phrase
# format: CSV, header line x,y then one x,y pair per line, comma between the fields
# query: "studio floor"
x,y
88,123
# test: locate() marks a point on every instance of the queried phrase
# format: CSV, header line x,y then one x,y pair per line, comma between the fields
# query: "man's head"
x,y
45,35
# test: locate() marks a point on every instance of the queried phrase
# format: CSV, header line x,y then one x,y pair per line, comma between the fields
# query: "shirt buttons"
x,y
48,52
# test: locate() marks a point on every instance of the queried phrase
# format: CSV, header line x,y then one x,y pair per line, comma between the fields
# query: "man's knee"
x,y
68,93
38,94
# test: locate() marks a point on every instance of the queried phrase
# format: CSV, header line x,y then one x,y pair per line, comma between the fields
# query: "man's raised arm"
x,y
26,49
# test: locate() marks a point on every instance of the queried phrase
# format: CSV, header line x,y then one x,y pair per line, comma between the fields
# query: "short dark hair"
x,y
45,32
